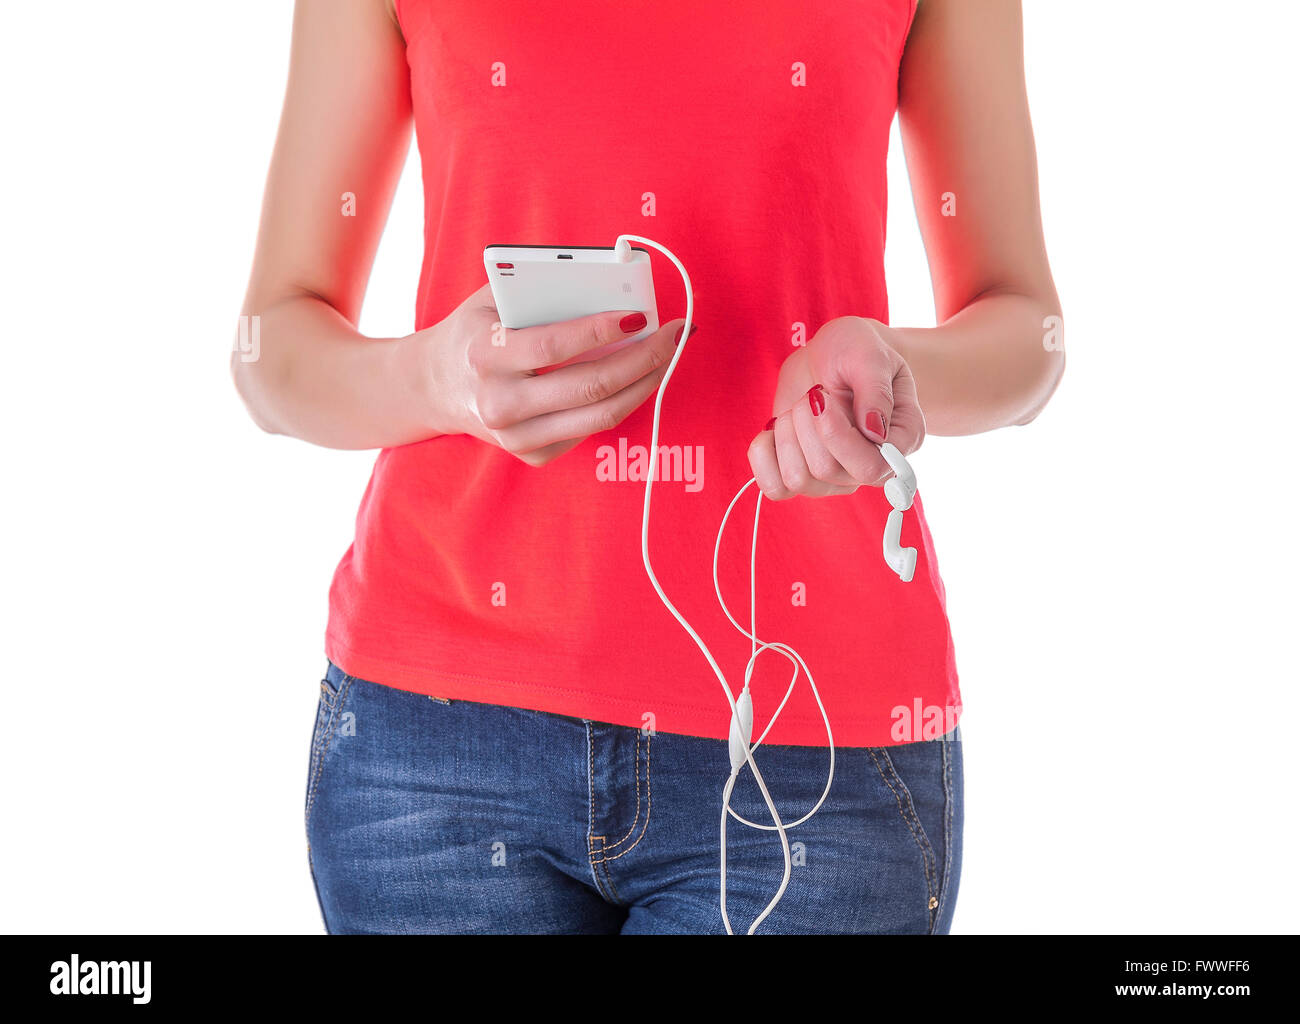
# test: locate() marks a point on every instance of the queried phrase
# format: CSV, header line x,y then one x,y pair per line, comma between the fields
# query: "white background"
x,y
1120,572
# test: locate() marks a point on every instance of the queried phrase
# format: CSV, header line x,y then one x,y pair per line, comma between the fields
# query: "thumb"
x,y
872,384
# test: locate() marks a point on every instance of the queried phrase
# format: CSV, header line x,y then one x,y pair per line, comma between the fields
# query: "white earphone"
x,y
900,490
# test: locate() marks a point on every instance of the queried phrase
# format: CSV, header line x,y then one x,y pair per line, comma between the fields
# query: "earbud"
x,y
623,251
902,560
901,488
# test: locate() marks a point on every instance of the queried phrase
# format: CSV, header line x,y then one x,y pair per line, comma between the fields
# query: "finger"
x,y
850,448
533,348
871,380
765,467
907,427
795,473
548,453
807,412
513,400
581,422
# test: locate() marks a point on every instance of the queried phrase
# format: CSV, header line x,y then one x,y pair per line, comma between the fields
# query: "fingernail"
x,y
816,400
632,323
771,424
678,339
876,424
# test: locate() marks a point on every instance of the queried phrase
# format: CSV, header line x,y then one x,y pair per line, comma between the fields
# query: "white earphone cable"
x,y
757,647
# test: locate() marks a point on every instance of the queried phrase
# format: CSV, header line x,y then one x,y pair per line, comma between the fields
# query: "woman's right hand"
x,y
507,387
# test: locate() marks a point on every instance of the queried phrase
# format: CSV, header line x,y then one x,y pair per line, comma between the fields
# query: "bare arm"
x,y
345,128
970,152
966,132
344,131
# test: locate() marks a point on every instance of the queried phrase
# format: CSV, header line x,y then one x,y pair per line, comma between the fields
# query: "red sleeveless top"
x,y
751,141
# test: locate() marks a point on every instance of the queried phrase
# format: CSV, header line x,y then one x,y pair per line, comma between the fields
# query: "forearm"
x,y
317,378
985,367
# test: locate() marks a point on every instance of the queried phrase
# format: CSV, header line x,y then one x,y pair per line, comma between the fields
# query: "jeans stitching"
x,y
646,826
604,849
329,734
591,815
946,753
604,870
910,819
324,715
636,818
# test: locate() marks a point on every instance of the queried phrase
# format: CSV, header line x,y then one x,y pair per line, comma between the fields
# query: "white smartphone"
x,y
545,284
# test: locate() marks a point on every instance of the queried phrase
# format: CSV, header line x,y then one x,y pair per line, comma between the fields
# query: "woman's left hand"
x,y
837,399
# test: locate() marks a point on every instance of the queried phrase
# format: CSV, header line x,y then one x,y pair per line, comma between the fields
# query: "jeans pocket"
x,y
328,708
887,765
329,692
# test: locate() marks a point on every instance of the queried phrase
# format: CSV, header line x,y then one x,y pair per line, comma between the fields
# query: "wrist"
x,y
890,336
418,380
901,340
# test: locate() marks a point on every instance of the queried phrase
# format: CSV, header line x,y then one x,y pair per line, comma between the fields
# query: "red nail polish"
x,y
876,424
816,400
677,339
771,424
632,323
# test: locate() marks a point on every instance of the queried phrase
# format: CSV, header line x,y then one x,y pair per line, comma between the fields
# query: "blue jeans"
x,y
438,816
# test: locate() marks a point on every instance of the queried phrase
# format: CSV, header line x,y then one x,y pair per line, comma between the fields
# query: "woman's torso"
x,y
751,141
